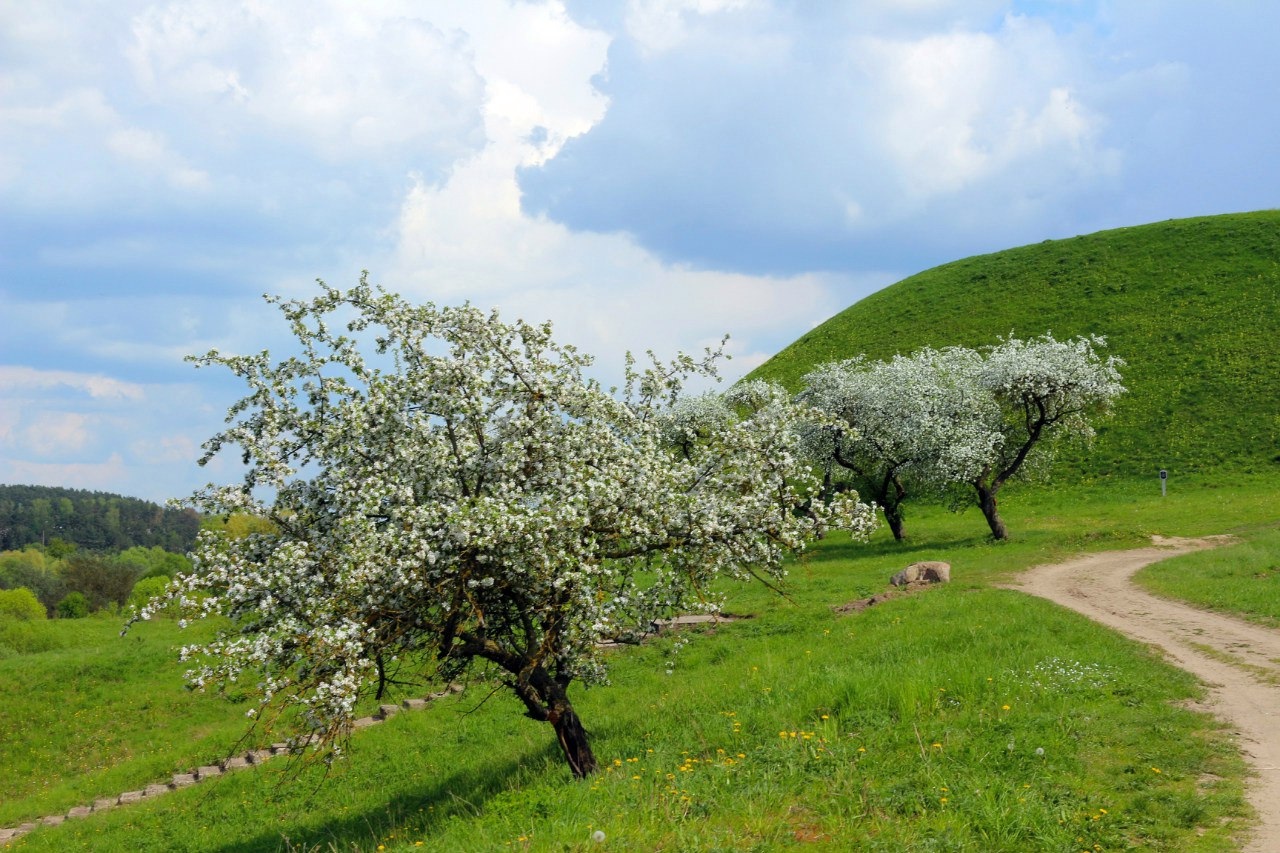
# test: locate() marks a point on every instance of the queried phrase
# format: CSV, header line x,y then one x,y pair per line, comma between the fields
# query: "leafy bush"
x,y
36,571
146,589
101,580
20,603
153,562
74,606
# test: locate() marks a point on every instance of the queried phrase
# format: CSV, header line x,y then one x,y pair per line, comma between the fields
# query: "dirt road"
x,y
1238,661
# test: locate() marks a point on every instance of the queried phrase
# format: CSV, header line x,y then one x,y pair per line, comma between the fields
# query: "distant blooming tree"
x,y
956,416
1042,392
912,422
450,489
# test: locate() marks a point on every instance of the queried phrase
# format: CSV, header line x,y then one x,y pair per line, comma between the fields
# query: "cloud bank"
x,y
645,173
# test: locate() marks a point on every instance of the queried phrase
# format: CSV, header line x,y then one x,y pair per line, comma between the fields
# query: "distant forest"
x,y
94,521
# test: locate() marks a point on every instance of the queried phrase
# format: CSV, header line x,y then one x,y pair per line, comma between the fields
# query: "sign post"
x,y
1164,478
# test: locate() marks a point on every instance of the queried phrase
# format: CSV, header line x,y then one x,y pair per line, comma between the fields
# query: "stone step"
x,y
209,771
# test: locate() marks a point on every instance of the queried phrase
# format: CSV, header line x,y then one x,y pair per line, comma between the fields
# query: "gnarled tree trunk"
x,y
546,697
987,501
892,493
572,738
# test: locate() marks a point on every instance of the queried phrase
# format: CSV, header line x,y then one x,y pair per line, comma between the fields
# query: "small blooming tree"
x,y
909,422
1041,392
467,498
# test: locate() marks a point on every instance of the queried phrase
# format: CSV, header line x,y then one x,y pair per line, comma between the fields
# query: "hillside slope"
x,y
1192,305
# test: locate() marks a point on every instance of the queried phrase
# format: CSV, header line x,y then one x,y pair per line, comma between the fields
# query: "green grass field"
x,y
960,718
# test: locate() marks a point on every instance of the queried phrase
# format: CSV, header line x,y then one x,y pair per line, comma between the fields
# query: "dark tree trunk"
x,y
987,501
893,515
545,696
573,739
892,494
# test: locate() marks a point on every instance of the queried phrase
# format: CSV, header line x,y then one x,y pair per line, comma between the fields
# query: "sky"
x,y
646,174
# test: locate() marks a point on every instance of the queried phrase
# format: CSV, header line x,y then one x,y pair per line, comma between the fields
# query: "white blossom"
x,y
956,416
466,495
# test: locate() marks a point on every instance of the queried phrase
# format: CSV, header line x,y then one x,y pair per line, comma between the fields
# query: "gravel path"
x,y
1238,661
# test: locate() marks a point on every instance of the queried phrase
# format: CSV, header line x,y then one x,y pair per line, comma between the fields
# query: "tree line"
x,y
93,521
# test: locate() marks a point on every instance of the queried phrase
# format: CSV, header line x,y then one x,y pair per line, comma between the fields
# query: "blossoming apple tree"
x,y
451,491
1041,393
905,423
957,417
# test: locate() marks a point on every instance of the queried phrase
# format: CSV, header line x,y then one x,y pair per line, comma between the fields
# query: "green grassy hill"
x,y
1192,305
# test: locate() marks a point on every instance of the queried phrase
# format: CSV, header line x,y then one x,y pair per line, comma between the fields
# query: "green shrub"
x,y
101,580
146,589
20,603
36,571
153,562
74,606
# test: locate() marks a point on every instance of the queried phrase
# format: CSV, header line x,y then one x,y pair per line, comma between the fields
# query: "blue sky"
x,y
644,173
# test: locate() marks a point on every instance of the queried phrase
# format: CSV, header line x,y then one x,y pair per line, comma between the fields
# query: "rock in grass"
x,y
930,571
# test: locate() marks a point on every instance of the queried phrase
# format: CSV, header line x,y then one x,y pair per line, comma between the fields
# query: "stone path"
x,y
252,758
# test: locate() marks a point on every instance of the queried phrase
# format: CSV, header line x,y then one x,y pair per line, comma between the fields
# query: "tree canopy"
x,y
898,425
467,499
957,417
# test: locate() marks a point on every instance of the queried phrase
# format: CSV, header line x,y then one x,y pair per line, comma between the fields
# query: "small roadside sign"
x,y
1164,479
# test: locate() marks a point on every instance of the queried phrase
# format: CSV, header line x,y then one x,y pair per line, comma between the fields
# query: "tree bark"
x,y
892,493
545,696
987,501
893,515
573,739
